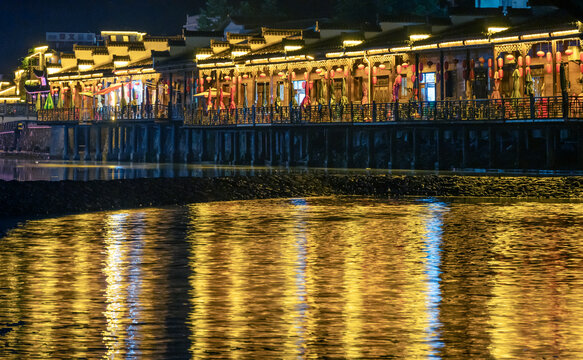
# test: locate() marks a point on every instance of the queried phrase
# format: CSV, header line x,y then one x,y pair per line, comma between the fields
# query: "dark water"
x,y
298,278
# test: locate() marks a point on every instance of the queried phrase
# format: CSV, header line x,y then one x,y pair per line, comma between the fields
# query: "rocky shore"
x,y
43,198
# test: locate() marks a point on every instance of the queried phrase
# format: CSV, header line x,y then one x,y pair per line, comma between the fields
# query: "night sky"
x,y
23,23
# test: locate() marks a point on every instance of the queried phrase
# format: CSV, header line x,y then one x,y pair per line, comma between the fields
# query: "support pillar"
x,y
438,136
252,147
66,143
414,149
87,156
110,143
98,156
76,142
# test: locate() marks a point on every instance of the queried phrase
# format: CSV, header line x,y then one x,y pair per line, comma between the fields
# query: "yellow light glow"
x,y
13,98
226,63
277,59
425,47
310,57
401,49
565,33
85,67
417,37
202,56
348,43
97,75
41,48
109,32
476,41
534,36
206,65
354,53
18,72
148,70
292,47
52,71
239,52
506,39
378,51
256,61
120,63
496,29
7,90
334,54
451,44
4,83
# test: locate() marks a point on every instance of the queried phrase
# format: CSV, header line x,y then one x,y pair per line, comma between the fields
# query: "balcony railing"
x,y
525,109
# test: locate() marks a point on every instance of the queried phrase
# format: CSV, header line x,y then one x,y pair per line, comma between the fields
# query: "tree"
x,y
214,14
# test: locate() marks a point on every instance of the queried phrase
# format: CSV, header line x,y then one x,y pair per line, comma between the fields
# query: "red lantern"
x,y
374,70
569,52
472,74
581,56
405,65
420,67
306,75
549,69
490,62
382,66
581,68
245,76
527,60
558,57
227,78
399,79
239,79
208,78
413,68
262,75
500,62
500,73
366,70
332,73
446,66
374,80
558,66
293,75
413,77
281,74
549,57
346,72
520,72
234,79
399,69
472,63
520,61
361,66
325,75
540,53
490,73
481,60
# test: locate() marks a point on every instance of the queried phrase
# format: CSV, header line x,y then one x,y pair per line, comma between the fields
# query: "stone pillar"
x,y
122,144
76,142
98,156
110,133
87,156
65,143
252,147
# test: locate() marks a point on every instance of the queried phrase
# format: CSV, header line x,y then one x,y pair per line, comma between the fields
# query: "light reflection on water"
x,y
298,278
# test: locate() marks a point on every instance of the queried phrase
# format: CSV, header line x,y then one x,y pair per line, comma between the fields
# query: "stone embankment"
x,y
43,198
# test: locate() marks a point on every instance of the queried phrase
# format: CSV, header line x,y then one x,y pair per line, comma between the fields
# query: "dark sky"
x,y
23,23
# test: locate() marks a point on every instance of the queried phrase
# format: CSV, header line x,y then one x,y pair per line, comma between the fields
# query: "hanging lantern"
x,y
528,69
500,62
209,79
549,69
446,66
472,63
306,75
510,57
366,70
490,73
399,69
413,77
489,62
581,68
413,68
420,67
281,74
227,78
558,66
438,67
262,75
569,52
245,76
332,73
374,80
374,70
527,60
549,57
318,70
540,53
581,56
558,56
293,74
325,75
520,72
500,73
481,60
446,76
346,72
405,65
382,66
399,79
361,66
519,61
240,79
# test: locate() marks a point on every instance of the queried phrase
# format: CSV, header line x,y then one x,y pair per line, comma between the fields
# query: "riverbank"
x,y
45,198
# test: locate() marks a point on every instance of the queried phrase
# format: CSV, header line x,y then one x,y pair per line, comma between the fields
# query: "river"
x,y
329,277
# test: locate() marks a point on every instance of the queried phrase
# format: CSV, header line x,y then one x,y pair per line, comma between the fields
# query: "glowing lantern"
x,y
490,62
549,69
382,66
339,70
227,78
413,68
540,53
558,66
325,75
446,66
293,74
559,58
490,73
399,69
520,61
481,60
208,78
332,73
581,56
239,79
405,65
366,70
374,80
399,79
581,68
500,62
306,75
245,76
527,60
234,79
361,66
509,57
569,52
346,72
281,74
374,70
549,57
528,69
472,63
318,70
500,73
520,72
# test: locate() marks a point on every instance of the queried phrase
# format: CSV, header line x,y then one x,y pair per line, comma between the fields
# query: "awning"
x,y
109,89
